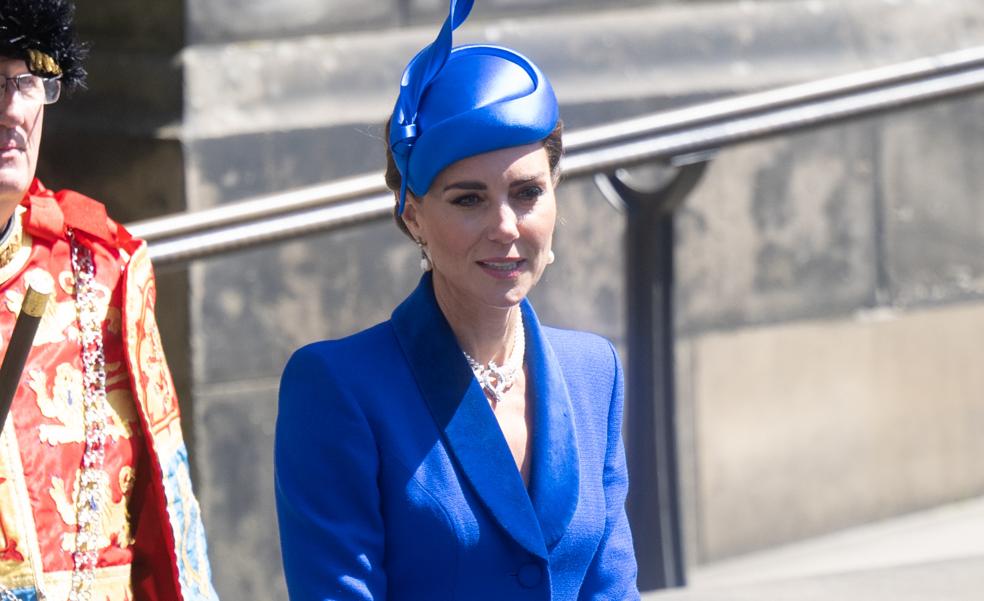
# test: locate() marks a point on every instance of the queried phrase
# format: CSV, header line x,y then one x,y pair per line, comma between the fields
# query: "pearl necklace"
x,y
496,380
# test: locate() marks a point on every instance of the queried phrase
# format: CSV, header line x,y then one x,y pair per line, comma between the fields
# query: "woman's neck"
x,y
484,332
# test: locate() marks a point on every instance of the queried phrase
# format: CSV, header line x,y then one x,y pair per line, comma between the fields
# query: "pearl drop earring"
x,y
425,262
550,257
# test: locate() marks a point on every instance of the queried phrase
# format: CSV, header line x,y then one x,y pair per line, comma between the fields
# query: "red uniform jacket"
x,y
152,544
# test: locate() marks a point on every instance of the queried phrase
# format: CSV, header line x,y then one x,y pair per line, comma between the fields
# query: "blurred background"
x,y
828,290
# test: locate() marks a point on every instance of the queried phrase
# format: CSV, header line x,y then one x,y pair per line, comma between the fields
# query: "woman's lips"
x,y
504,268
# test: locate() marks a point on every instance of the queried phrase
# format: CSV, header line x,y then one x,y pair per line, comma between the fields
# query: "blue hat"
x,y
456,103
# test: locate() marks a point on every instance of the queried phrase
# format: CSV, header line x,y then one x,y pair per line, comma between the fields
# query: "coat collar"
x,y
536,519
554,477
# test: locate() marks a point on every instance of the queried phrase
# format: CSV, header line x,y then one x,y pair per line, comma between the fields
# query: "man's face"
x,y
20,138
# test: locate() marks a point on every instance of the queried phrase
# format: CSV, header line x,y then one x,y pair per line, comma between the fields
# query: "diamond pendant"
x,y
497,380
497,390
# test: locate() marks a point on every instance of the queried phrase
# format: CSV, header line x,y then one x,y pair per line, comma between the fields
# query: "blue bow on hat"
x,y
459,102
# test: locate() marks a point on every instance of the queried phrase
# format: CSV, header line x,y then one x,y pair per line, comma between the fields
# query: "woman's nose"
x,y
505,223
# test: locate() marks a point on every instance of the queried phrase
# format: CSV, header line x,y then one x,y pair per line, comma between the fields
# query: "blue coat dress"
x,y
394,481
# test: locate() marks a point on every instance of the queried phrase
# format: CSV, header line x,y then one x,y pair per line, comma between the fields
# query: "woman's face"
x,y
487,224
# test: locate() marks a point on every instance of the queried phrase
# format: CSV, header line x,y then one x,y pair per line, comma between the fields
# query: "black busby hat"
x,y
42,34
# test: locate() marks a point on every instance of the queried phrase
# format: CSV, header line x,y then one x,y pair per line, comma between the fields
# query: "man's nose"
x,y
12,106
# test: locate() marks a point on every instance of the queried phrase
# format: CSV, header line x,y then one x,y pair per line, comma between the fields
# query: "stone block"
x,y
293,84
934,220
780,230
219,21
260,305
235,488
136,177
130,94
121,25
233,168
812,427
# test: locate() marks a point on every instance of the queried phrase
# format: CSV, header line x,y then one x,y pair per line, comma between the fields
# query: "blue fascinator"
x,y
459,102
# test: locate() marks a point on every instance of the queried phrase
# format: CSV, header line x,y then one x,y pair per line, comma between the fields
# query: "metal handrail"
x,y
697,129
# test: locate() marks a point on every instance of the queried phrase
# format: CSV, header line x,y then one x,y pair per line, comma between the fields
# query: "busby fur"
x,y
46,26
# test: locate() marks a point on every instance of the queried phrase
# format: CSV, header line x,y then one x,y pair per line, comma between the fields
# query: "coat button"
x,y
530,575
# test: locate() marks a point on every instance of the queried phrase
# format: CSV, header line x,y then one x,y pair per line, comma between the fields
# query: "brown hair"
x,y
553,143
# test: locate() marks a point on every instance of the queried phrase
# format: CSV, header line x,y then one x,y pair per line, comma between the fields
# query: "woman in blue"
x,y
460,450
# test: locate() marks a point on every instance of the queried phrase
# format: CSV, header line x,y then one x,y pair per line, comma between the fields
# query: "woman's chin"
x,y
505,299
487,292
510,293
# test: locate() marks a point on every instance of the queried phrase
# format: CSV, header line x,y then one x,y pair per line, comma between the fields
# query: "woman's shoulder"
x,y
357,374
371,346
578,341
579,348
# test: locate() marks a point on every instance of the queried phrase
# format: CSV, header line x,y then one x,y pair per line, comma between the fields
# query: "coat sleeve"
x,y
612,573
325,473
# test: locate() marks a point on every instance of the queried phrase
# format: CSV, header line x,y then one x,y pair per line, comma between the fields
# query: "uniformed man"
x,y
95,496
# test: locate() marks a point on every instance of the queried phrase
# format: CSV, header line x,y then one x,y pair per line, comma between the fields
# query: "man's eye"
x,y
28,82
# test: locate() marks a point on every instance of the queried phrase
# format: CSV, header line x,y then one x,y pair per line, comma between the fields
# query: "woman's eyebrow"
x,y
465,186
525,180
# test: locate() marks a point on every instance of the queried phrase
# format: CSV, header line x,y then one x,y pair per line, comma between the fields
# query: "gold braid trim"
x,y
42,64
12,245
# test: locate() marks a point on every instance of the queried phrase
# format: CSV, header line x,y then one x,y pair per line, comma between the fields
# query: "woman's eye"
x,y
467,200
530,193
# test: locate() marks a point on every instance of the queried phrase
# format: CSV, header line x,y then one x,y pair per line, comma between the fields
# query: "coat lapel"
x,y
463,415
554,477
